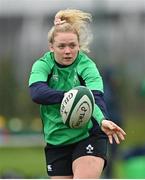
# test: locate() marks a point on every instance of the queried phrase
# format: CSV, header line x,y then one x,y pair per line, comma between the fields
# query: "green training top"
x,y
65,78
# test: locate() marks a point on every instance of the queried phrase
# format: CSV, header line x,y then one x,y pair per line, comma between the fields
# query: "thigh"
x,y
90,157
88,167
59,161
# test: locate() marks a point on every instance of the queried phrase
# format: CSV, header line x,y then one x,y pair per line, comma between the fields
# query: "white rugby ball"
x,y
77,107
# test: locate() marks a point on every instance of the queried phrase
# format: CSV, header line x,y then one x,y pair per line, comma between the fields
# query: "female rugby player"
x,y
71,153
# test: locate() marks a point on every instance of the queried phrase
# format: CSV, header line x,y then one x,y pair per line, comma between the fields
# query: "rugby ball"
x,y
77,107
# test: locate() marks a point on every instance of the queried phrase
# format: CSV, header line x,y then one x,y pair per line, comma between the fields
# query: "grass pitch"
x,y
26,161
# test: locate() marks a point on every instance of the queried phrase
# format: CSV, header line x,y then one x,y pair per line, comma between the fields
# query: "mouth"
x,y
67,58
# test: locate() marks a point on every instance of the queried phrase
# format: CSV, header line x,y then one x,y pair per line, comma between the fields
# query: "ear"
x,y
50,46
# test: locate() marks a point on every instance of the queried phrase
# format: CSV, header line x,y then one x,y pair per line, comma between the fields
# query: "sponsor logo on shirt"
x,y
55,77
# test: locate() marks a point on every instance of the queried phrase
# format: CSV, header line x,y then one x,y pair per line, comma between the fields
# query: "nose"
x,y
67,50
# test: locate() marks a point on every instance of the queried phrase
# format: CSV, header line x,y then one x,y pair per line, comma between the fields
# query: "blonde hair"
x,y
75,21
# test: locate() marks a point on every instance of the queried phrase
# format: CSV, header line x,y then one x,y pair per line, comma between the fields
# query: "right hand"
x,y
113,131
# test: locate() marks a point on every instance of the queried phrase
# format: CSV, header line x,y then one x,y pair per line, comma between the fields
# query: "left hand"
x,y
113,131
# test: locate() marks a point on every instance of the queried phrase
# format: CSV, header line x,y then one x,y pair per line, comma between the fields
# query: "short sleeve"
x,y
40,70
90,74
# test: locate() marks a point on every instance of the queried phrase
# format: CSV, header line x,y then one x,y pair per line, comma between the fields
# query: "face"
x,y
65,48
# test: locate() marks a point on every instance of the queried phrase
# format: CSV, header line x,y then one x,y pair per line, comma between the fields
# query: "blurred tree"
x,y
8,87
14,98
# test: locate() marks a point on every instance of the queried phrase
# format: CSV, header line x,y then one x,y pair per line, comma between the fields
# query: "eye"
x,y
72,46
61,46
